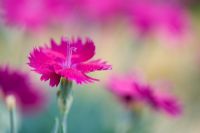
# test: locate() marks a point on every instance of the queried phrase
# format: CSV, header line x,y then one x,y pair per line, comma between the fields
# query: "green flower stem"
x,y
65,100
136,126
124,122
138,123
12,125
55,129
129,122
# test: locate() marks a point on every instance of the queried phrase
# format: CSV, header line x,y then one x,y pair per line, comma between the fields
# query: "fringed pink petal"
x,y
37,58
42,59
75,75
83,51
60,48
95,65
54,79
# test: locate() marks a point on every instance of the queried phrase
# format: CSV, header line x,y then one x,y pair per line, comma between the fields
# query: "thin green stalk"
x,y
124,122
136,123
55,129
65,99
12,126
129,122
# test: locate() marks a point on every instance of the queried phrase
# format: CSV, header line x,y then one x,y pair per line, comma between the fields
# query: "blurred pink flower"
x,y
101,10
26,13
160,100
34,14
125,87
68,60
17,83
58,10
151,16
132,89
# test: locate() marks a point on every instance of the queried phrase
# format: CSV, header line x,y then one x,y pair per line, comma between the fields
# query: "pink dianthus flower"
x,y
151,16
16,83
69,59
131,89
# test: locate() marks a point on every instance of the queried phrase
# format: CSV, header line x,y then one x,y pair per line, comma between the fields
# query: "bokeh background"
x,y
117,40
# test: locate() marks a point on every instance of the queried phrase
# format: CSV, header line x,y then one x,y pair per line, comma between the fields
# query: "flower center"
x,y
70,49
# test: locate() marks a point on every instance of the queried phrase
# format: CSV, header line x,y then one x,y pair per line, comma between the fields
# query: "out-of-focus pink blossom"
x,y
131,89
69,59
101,10
34,14
58,10
18,84
151,16
125,87
26,13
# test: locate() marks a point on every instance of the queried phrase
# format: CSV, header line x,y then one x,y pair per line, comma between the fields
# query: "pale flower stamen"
x,y
69,54
70,49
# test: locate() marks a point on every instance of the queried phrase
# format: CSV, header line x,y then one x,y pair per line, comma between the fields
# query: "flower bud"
x,y
10,102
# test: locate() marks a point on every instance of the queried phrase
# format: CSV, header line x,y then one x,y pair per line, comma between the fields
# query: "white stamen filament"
x,y
69,54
